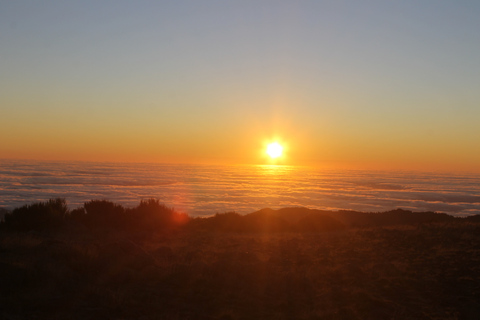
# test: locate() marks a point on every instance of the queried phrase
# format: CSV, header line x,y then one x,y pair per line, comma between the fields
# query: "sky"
x,y
364,84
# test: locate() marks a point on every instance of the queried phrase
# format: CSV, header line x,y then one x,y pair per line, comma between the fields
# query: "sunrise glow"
x,y
165,82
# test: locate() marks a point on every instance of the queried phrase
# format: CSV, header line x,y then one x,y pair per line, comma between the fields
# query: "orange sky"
x,y
377,85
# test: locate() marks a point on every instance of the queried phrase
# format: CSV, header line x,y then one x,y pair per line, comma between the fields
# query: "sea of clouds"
x,y
201,190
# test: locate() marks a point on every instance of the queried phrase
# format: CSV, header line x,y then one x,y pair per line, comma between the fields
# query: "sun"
x,y
274,150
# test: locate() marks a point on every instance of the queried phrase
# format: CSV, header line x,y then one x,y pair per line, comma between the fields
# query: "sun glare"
x,y
274,150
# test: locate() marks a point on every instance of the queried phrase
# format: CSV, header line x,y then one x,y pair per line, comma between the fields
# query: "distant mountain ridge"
x,y
350,218
301,219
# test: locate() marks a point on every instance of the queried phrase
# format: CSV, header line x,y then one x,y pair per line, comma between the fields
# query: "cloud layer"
x,y
206,190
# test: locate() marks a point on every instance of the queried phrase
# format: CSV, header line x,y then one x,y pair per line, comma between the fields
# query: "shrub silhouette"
x,y
38,216
102,213
3,212
78,215
152,215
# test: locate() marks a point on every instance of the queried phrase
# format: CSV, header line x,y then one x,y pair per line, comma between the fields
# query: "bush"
x,y
3,213
152,215
101,213
38,216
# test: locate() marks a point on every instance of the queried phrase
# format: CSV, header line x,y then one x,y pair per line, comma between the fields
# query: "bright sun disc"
x,y
274,150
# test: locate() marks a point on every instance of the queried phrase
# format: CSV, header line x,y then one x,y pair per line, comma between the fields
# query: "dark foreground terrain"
x,y
207,270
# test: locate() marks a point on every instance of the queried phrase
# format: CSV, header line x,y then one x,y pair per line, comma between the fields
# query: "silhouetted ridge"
x,y
315,222
152,216
302,219
266,221
393,217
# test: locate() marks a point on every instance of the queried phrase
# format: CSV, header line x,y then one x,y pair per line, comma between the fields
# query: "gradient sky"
x,y
387,84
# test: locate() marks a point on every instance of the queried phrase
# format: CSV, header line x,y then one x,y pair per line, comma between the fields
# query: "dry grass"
x,y
429,271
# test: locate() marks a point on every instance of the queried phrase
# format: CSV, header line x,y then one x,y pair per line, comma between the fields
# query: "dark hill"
x,y
266,220
389,218
301,219
304,219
